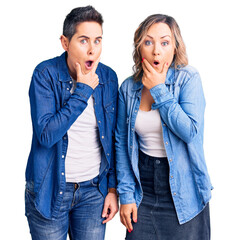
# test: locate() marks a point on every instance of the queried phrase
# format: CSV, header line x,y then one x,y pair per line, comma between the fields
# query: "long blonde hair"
x,y
180,57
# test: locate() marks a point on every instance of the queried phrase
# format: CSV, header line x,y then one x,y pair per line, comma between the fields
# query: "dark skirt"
x,y
157,219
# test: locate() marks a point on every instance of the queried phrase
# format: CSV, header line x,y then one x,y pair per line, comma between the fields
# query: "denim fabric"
x,y
53,110
181,104
157,217
80,211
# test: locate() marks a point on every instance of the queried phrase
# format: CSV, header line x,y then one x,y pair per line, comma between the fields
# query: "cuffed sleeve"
x,y
127,198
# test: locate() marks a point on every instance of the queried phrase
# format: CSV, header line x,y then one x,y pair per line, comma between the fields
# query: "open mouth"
x,y
156,63
89,64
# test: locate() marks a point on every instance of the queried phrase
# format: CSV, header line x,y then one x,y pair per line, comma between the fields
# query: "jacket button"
x,y
102,137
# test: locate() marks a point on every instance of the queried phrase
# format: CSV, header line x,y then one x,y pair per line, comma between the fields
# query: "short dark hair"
x,y
79,15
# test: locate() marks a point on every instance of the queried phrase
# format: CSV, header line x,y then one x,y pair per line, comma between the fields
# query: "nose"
x,y
91,49
156,50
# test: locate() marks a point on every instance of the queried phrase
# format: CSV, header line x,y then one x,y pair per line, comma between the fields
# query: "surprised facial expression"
x,y
85,46
158,46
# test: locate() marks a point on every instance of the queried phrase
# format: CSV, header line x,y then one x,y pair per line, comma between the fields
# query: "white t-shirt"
x,y
83,156
149,130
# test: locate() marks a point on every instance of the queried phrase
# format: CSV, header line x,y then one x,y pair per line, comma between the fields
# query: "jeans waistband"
x,y
150,160
93,181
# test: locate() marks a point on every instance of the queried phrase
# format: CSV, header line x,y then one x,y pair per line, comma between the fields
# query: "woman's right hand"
x,y
91,78
126,210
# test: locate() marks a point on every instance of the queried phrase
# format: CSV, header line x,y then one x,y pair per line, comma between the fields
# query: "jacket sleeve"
x,y
49,123
112,183
125,175
185,115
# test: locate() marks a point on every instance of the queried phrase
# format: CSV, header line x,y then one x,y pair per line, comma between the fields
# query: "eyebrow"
x,y
160,37
84,36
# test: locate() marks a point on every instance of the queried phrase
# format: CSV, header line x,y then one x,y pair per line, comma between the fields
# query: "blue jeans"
x,y
80,214
157,219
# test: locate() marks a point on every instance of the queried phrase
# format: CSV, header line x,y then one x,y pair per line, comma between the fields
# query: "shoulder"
x,y
188,71
47,65
128,84
186,74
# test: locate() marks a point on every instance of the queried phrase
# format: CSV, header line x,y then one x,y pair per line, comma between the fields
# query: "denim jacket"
x,y
53,110
181,104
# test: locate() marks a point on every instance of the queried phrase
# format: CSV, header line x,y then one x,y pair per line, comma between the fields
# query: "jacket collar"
x,y
170,79
63,70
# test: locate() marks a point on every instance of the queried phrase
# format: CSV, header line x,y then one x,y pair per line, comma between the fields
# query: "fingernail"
x,y
129,230
167,64
135,220
142,60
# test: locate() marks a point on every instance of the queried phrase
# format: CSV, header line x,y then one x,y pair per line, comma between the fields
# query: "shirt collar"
x,y
63,68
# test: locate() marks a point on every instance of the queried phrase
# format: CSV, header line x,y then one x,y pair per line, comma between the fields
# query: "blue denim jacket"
x,y
181,104
53,110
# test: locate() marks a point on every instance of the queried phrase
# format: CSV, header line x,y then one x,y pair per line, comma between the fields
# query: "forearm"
x,y
185,117
51,124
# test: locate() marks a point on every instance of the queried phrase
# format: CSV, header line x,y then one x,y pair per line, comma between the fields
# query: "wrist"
x,y
112,190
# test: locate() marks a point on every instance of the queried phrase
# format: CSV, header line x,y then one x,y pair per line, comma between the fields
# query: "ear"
x,y
64,42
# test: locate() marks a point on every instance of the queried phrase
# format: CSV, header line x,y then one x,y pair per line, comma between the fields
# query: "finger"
x,y
109,218
165,68
123,221
128,223
105,210
125,224
122,218
145,68
148,66
78,69
134,215
95,65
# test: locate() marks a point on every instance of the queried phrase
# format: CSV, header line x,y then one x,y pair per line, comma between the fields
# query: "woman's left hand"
x,y
110,206
151,77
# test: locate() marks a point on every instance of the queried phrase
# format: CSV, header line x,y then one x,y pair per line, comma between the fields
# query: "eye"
x,y
83,41
165,43
148,43
97,41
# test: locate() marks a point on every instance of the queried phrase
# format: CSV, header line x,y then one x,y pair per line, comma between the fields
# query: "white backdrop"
x,y
30,32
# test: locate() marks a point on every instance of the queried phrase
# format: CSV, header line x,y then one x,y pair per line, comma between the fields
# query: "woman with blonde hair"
x,y
163,183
